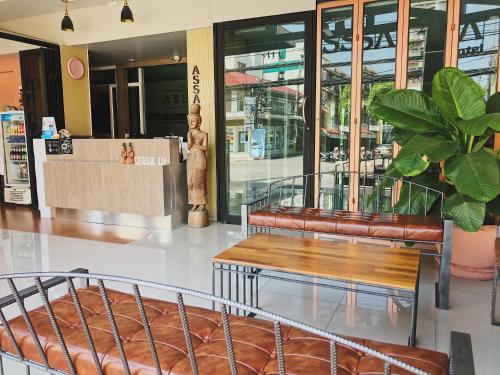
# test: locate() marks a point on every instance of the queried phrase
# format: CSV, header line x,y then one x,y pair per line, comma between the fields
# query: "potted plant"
x,y
444,142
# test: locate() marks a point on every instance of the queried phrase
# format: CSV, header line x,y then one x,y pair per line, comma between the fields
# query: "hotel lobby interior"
x,y
252,187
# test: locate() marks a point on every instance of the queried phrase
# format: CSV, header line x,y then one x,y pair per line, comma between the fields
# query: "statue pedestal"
x,y
198,219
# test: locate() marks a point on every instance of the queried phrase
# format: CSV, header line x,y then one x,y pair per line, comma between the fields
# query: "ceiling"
x,y
141,48
12,9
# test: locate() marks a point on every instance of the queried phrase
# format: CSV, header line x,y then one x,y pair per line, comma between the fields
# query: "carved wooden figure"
x,y
130,158
197,169
123,154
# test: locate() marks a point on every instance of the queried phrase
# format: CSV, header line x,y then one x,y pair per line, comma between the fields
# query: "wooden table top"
x,y
389,267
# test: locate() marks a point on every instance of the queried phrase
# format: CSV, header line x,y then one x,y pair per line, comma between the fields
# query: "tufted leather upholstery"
x,y
363,224
254,342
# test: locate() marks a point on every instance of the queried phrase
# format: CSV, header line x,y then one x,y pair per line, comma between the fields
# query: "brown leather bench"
x,y
359,224
254,342
382,226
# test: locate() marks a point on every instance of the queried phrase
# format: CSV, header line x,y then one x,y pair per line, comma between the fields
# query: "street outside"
x,y
254,174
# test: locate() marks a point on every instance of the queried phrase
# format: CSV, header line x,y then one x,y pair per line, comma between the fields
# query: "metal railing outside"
x,y
377,192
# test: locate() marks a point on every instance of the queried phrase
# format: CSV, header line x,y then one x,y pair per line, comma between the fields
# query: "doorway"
x,y
264,106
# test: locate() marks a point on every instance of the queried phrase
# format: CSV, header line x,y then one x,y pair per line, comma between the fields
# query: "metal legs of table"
x,y
236,283
241,284
443,286
496,280
412,341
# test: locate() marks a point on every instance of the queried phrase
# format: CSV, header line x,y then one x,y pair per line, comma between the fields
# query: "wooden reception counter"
x,y
93,182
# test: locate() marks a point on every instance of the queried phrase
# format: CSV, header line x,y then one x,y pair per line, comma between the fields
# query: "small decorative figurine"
x,y
123,153
130,158
127,154
197,169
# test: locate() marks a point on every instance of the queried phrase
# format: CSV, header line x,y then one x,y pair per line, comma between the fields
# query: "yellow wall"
x,y
76,93
200,53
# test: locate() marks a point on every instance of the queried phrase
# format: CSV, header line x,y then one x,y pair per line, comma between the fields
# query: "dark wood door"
x,y
42,96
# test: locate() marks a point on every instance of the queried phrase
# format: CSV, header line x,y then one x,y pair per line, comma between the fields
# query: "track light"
x,y
66,24
127,16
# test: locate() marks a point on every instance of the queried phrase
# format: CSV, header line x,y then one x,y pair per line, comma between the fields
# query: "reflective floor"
x,y
183,257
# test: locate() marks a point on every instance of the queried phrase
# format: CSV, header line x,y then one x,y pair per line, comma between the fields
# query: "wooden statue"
x,y
197,169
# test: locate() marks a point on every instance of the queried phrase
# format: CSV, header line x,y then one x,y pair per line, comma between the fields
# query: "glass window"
x,y
166,100
479,37
426,42
263,96
335,114
380,25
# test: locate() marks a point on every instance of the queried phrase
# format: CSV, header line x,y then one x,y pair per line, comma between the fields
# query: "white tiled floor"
x,y
183,257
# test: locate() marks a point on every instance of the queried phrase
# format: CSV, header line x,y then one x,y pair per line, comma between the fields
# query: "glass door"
x,y
358,57
334,103
264,106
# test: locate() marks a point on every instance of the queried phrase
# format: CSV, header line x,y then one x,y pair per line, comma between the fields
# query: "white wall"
x,y
7,47
101,23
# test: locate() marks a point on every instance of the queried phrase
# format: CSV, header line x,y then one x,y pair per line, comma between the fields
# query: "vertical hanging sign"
x,y
196,84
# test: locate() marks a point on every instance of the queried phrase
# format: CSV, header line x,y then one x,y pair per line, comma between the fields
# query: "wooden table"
x,y
382,271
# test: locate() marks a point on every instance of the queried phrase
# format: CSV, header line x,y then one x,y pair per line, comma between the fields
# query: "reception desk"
x,y
93,185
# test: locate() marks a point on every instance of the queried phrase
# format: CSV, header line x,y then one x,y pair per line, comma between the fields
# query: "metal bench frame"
x,y
496,280
461,361
275,196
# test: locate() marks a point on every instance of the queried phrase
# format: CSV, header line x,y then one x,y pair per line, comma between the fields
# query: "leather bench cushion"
x,y
254,342
376,225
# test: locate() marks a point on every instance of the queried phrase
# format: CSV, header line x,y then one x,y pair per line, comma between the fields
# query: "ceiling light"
x,y
127,15
66,24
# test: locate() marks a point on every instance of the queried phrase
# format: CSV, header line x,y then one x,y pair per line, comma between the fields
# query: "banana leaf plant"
x,y
443,141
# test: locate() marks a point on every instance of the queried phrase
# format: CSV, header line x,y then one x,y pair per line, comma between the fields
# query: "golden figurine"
x,y
197,141
127,154
130,158
123,153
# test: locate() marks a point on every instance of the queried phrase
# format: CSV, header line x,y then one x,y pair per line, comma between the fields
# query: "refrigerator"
x,y
15,152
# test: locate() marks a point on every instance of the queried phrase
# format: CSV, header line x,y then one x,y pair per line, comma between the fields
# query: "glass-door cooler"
x,y
17,179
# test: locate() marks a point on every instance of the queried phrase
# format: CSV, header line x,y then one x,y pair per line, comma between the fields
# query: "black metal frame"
x,y
253,275
309,80
496,280
461,361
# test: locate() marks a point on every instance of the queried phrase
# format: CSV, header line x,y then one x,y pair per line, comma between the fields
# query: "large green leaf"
x,y
457,95
435,148
479,125
401,136
493,103
409,163
476,175
482,139
467,213
408,109
493,152
386,182
415,199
